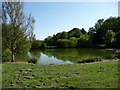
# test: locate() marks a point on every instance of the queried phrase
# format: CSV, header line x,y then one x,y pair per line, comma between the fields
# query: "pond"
x,y
69,55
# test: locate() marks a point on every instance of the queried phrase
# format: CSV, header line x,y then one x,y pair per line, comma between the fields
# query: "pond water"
x,y
69,55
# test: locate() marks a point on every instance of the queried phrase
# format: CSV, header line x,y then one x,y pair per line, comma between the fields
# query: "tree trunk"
x,y
13,56
13,53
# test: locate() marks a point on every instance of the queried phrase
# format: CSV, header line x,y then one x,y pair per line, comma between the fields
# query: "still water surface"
x,y
70,55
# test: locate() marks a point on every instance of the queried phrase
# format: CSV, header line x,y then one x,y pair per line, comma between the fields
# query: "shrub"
x,y
118,55
110,57
7,55
88,60
32,60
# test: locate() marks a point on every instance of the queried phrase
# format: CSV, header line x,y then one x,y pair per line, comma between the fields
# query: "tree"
x,y
99,23
111,24
75,32
64,35
66,43
109,37
36,45
75,40
91,31
20,25
117,39
83,31
98,32
83,41
32,38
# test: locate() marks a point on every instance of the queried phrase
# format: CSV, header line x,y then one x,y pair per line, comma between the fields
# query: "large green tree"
x,y
75,32
109,37
20,26
117,39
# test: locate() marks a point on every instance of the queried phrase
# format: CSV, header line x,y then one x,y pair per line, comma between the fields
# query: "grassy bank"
x,y
97,75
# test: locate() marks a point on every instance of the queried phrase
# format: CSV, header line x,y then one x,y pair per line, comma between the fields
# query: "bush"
x,y
110,57
7,55
118,55
32,60
88,60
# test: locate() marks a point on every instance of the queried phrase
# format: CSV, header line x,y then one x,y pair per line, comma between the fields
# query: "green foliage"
x,y
48,40
16,27
50,47
105,32
91,31
64,35
23,48
75,40
38,45
110,57
43,46
117,39
118,55
88,60
99,23
32,60
65,43
83,31
66,39
83,41
75,32
7,55
109,37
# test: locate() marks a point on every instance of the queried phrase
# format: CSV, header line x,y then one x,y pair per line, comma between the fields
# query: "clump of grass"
x,y
88,60
32,60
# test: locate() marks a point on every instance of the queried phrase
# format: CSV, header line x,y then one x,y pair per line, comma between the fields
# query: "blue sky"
x,y
54,17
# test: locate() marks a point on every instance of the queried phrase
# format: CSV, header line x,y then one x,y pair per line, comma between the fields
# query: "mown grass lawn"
x,y
99,75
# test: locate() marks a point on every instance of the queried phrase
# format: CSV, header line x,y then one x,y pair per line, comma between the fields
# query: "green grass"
x,y
99,75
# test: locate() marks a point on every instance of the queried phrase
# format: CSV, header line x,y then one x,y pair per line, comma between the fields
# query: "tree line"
x,y
105,33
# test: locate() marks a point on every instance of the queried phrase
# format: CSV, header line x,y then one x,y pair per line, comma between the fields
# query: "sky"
x,y
54,17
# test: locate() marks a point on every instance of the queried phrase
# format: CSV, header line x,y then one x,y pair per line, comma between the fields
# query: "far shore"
x,y
104,60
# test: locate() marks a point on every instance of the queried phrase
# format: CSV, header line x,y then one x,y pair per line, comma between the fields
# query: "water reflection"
x,y
49,56
44,59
